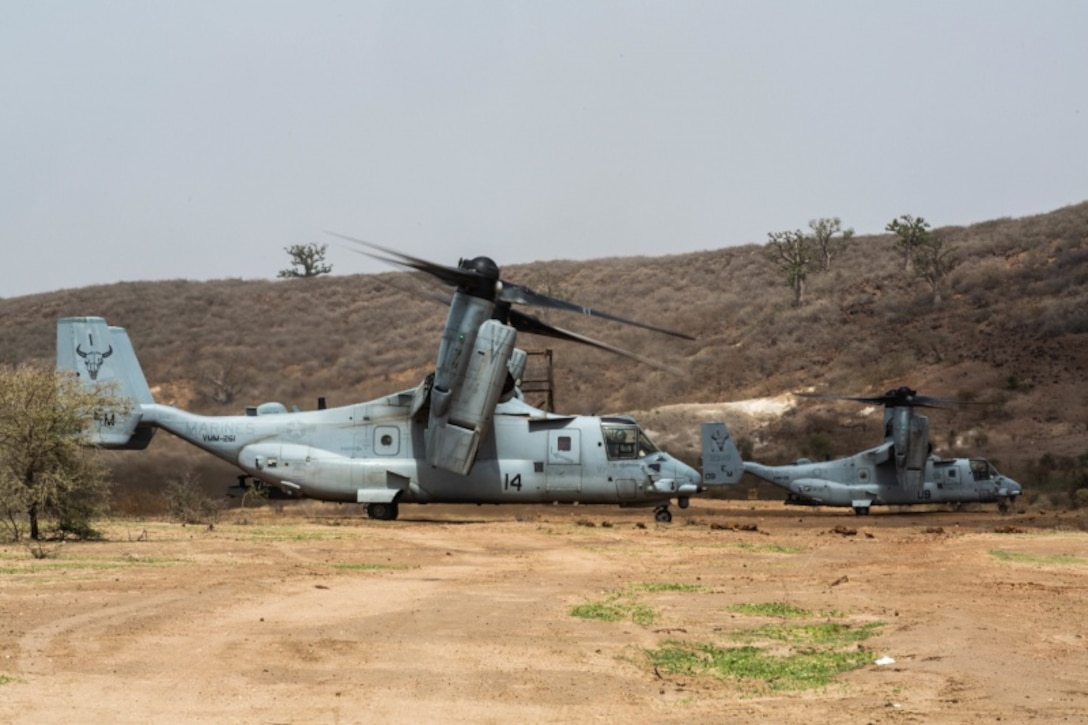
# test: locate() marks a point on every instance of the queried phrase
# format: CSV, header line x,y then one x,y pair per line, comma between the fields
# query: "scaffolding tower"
x,y
537,383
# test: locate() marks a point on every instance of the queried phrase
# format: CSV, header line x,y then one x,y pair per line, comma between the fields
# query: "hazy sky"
x,y
144,139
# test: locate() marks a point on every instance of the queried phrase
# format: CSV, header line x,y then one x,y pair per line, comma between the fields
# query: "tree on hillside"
x,y
46,474
933,260
829,245
793,254
223,383
307,260
912,233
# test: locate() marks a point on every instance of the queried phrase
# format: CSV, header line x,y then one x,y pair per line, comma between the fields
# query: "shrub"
x,y
188,504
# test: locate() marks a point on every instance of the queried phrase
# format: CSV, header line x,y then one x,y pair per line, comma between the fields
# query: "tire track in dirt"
x,y
88,632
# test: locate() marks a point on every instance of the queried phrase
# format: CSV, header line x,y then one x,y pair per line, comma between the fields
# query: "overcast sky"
x,y
196,139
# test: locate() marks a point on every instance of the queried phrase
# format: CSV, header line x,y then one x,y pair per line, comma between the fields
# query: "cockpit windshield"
x,y
981,470
626,441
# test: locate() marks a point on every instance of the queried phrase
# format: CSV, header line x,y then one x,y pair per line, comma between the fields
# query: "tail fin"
x,y
722,463
102,355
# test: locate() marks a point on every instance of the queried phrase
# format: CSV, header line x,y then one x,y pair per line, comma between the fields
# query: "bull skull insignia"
x,y
93,359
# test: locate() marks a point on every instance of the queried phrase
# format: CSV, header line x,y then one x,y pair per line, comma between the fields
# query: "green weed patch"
x,y
770,609
823,634
624,605
261,534
770,548
53,566
599,610
814,652
365,567
1016,556
615,608
753,665
665,587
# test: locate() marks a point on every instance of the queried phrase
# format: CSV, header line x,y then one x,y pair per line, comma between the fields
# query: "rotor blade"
x,y
520,293
510,292
875,400
449,275
532,325
928,401
893,398
431,295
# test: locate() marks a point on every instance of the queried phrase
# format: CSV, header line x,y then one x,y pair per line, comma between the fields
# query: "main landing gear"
x,y
383,511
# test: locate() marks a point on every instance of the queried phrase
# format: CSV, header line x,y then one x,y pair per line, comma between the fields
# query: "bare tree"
x,y
307,260
224,382
912,232
829,245
188,503
792,253
933,260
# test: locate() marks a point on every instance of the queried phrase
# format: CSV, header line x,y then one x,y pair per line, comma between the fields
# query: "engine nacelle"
x,y
474,399
453,438
467,315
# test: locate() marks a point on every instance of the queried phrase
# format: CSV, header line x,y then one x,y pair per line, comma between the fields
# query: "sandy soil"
x,y
463,614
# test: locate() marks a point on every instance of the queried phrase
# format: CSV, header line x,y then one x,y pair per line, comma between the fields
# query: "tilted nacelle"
x,y
460,417
910,436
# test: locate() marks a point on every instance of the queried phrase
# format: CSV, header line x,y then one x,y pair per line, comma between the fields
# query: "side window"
x,y
386,440
563,448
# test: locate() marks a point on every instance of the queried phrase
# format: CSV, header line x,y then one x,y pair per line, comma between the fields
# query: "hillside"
x,y
1012,332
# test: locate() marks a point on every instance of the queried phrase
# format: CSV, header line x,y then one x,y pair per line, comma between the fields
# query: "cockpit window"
x,y
981,470
626,442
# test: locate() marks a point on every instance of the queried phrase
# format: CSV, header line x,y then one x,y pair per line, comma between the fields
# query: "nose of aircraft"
x,y
685,474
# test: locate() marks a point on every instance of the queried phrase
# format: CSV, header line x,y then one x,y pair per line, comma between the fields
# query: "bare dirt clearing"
x,y
465,614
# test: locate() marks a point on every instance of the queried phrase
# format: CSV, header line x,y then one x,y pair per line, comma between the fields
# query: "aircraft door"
x,y
563,471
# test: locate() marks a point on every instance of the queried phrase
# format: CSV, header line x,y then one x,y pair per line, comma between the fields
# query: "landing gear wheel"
x,y
383,511
1003,507
861,510
683,502
662,515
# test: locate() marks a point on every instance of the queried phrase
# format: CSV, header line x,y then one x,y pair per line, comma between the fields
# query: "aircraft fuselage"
x,y
870,479
373,453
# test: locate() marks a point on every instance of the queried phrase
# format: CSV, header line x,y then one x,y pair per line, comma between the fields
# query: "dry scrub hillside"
x,y
1012,332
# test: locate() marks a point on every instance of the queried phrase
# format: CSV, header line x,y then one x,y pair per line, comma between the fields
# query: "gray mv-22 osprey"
x,y
463,435
901,471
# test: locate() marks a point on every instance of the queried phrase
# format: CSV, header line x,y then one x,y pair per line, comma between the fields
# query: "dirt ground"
x,y
464,614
